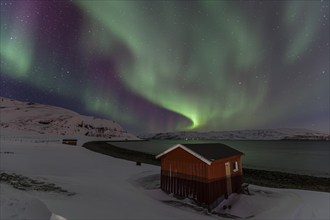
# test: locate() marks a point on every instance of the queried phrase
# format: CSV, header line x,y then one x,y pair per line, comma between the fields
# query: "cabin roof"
x,y
207,152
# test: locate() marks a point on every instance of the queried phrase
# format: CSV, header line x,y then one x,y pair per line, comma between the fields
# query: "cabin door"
x,y
228,178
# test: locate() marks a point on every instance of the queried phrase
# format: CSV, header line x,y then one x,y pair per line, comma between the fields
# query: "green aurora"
x,y
216,65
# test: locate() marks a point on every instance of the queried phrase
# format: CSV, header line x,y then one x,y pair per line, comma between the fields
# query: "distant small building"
x,y
69,141
206,173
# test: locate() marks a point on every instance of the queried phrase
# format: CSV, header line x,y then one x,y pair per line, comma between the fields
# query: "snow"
x,y
38,119
255,134
111,188
18,205
103,184
102,187
269,203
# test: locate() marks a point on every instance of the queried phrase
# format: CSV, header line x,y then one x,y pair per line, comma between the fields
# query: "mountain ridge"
x,y
47,119
253,134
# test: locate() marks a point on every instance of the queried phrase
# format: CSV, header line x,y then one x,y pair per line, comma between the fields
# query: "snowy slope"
x,y
257,134
19,205
110,188
45,119
105,187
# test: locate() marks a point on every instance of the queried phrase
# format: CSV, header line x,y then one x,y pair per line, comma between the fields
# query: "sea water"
x,y
301,157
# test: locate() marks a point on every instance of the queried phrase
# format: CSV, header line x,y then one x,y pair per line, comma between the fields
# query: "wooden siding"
x,y
185,175
180,162
203,192
217,169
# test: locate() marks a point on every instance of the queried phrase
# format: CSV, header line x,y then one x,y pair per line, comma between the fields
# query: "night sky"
x,y
172,65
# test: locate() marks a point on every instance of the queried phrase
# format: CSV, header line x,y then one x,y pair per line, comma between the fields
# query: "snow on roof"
x,y
207,152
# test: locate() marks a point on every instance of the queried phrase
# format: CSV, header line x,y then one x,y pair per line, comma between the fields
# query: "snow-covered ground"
x,y
19,205
110,188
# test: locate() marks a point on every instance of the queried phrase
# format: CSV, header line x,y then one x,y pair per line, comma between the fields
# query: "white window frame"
x,y
235,166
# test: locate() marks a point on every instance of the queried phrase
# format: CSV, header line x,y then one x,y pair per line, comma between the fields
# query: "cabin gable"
x,y
187,150
182,163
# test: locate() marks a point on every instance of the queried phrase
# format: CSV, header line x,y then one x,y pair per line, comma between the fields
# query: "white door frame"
x,y
228,177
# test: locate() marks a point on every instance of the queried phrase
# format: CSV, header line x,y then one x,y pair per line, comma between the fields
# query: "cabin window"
x,y
235,166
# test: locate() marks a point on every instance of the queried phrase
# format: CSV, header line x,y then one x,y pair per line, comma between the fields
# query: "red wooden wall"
x,y
185,175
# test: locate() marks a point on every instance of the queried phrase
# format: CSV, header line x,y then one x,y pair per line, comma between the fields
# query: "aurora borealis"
x,y
172,65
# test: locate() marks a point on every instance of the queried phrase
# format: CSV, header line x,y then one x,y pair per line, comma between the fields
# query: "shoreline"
x,y
274,179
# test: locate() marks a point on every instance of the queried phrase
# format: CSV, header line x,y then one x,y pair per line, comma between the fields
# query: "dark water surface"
x,y
301,157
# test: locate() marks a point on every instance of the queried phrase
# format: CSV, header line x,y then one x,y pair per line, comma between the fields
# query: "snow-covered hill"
x,y
45,119
258,134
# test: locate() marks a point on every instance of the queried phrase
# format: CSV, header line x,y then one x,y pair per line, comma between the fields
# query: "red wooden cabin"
x,y
203,172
